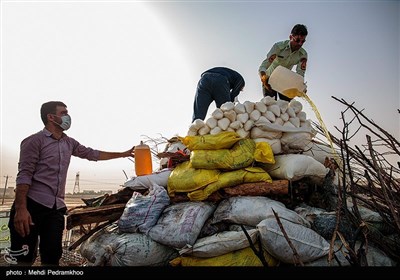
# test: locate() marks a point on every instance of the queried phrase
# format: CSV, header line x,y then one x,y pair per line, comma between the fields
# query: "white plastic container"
x,y
287,82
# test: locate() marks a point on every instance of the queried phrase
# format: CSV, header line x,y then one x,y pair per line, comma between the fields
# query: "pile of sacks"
x,y
281,124
154,231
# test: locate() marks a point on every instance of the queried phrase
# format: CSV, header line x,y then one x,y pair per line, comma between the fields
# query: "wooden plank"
x,y
275,188
89,215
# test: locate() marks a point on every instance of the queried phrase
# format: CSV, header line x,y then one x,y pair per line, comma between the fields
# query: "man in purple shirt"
x,y
39,207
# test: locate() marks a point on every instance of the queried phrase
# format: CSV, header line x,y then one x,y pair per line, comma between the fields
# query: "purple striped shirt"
x,y
43,165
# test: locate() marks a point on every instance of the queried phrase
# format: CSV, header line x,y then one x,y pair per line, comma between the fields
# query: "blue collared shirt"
x,y
43,165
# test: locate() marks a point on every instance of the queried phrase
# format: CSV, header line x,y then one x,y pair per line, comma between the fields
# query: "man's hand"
x,y
264,78
22,219
23,222
264,81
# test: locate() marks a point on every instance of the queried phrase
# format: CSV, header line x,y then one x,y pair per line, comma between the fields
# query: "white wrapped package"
x,y
281,128
146,181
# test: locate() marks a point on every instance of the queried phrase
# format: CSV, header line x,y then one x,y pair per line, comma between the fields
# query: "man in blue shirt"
x,y
219,84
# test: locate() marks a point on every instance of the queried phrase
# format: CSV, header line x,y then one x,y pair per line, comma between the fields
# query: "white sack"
x,y
295,167
296,140
251,210
107,247
219,244
309,244
146,181
375,257
180,224
141,212
318,151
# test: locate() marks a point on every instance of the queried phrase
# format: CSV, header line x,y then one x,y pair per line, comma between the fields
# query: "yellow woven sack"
x,y
264,153
242,257
230,179
239,156
222,140
185,178
225,179
256,174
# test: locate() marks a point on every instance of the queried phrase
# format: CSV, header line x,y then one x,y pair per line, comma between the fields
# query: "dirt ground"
x,y
69,258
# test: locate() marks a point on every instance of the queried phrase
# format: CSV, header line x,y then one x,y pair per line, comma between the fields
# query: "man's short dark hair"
x,y
299,29
49,108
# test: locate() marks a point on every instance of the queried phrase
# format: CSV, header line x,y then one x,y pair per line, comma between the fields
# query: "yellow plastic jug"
x,y
143,162
287,82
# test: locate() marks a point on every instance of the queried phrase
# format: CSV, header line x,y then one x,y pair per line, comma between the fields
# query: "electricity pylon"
x,y
76,186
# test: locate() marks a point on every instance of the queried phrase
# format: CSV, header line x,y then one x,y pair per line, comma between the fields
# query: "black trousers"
x,y
47,231
274,94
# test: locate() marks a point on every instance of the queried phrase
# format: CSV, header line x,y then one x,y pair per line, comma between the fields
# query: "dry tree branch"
x,y
369,178
384,190
390,140
260,252
353,260
295,254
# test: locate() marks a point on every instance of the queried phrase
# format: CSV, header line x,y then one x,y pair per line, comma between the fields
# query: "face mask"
x,y
65,122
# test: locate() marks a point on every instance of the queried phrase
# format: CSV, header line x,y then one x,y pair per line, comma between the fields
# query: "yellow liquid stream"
x,y
294,92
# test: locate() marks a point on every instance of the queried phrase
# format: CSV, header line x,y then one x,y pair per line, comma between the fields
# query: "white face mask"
x,y
65,122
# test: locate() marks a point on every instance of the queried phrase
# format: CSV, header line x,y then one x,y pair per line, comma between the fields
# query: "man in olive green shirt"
x,y
287,54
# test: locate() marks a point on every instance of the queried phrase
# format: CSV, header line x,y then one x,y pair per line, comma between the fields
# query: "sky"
x,y
128,70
